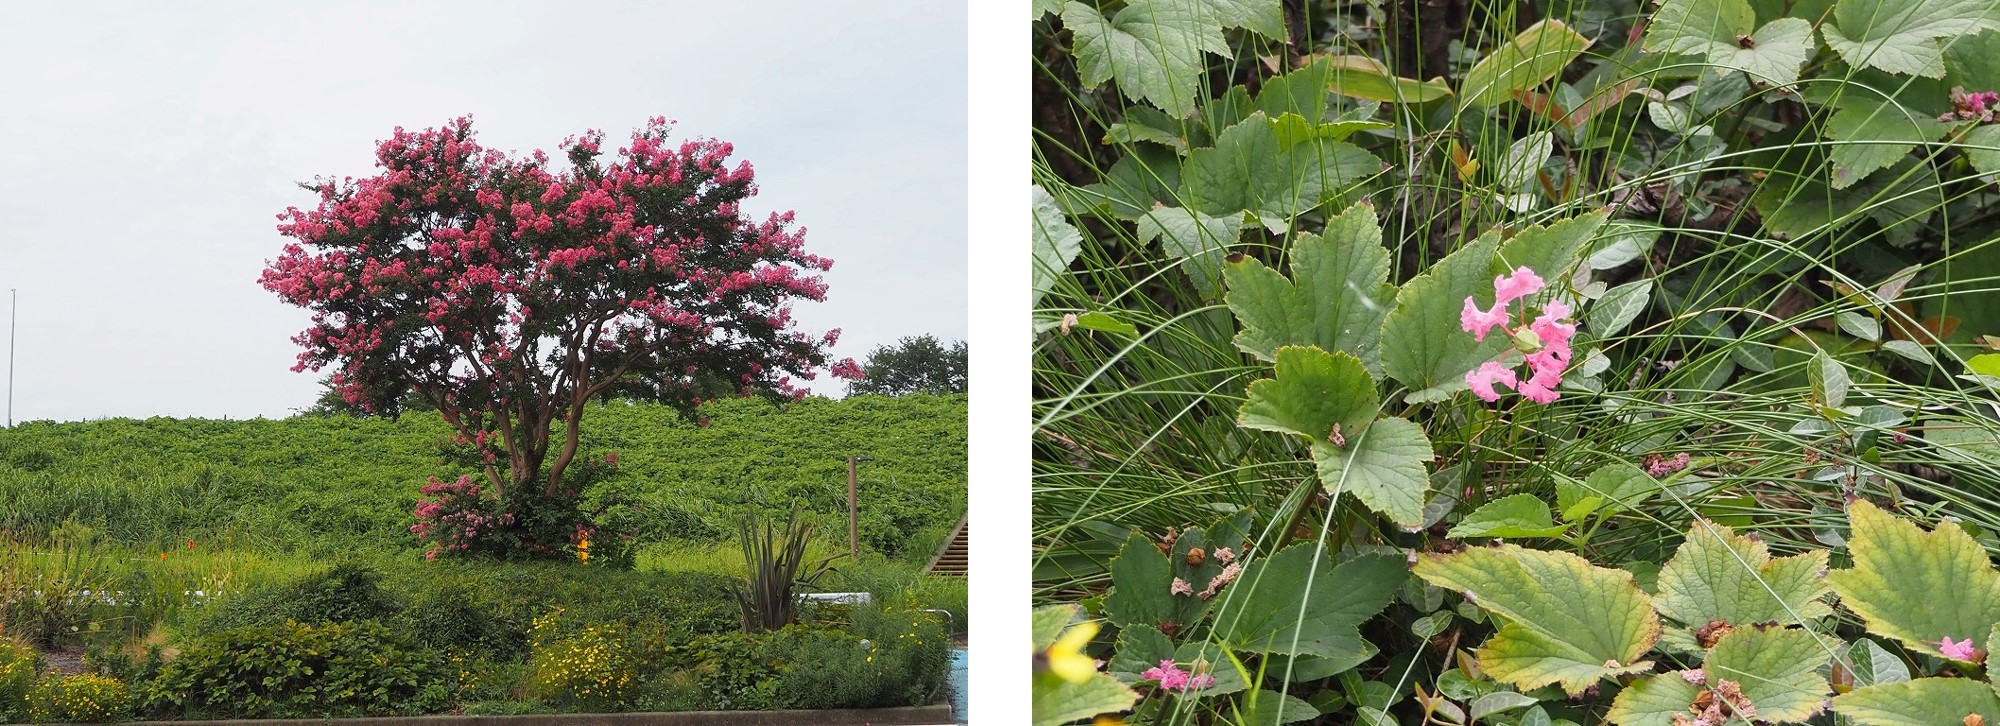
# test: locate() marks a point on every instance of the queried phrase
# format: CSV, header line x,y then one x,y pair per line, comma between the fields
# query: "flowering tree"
x,y
507,293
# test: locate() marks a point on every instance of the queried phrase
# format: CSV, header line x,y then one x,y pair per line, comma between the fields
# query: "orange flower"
x,y
190,544
163,557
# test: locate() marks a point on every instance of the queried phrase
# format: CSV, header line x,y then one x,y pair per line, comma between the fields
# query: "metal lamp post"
x,y
853,521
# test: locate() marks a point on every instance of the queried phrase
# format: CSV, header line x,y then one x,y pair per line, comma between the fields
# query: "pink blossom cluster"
x,y
1971,106
1659,466
1172,678
453,517
456,269
1544,341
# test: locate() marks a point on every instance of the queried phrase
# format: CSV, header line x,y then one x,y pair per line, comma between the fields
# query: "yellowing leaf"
x,y
1921,702
1527,61
1718,575
1567,622
1914,586
1359,76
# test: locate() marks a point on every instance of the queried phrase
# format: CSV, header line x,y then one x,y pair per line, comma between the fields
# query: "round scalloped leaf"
x,y
1335,299
1721,32
1915,586
1313,393
1652,701
1920,702
1423,345
1384,467
1720,575
1901,36
1777,668
1293,603
1153,48
1569,622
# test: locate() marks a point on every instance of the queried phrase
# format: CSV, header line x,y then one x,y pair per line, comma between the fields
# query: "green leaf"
x,y
1153,48
1718,575
1267,708
1901,36
1777,668
1653,701
1056,243
1550,251
1105,323
1249,170
1879,133
1291,602
1917,587
1383,467
1058,702
1828,379
1618,308
1140,648
1497,702
1294,129
1859,326
1044,7
1335,300
1359,76
1197,238
1567,622
1525,157
1527,61
1608,490
1140,578
1519,515
1920,702
1424,348
1721,32
1313,393
1985,364
1982,147
1048,623
1264,17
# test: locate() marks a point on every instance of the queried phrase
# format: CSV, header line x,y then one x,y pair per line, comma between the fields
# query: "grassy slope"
x,y
329,485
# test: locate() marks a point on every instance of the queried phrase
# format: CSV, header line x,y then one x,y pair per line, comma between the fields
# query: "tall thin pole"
x,y
853,526
13,316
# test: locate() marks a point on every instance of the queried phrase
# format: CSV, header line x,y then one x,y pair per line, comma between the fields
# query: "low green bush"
x,y
300,670
897,659
345,592
82,698
18,666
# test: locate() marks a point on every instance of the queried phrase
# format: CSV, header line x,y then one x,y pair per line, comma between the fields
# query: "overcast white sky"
x,y
145,149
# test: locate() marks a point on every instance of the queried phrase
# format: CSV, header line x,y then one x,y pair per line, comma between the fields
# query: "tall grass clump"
x,y
1764,239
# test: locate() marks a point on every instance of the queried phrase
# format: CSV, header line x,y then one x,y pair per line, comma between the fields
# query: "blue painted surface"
x,y
958,684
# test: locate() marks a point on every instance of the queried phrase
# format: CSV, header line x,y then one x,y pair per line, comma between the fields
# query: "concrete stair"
x,y
954,557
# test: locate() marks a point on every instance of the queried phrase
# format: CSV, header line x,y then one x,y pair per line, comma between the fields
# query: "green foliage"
x,y
19,664
346,592
777,571
297,670
914,364
1776,256
334,487
80,698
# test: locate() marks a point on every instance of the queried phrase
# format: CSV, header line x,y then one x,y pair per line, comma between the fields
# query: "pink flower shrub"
x,y
1172,678
1543,341
454,518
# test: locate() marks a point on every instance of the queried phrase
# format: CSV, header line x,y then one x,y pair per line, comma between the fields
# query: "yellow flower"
x,y
1066,656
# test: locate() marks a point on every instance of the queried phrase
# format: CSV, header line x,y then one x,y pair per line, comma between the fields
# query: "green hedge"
x,y
328,486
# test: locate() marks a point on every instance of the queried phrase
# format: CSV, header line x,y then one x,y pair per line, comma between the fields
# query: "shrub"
x,y
456,618
82,698
18,666
731,671
346,592
296,669
591,667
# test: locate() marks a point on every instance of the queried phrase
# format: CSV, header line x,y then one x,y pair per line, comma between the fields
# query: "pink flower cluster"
x,y
1172,678
1659,466
1971,106
453,517
1959,651
1544,341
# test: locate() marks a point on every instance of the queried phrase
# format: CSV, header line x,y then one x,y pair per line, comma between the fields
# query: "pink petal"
x,y
1538,391
1550,328
1482,379
1479,322
1522,283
